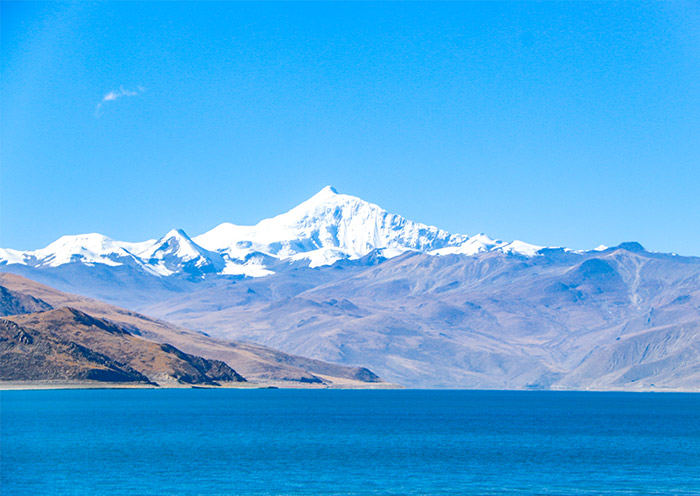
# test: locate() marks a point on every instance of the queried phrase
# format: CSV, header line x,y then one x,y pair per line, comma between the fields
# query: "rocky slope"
x,y
13,303
160,363
30,355
256,363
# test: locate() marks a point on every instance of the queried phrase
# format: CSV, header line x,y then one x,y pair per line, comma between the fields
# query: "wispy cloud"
x,y
116,95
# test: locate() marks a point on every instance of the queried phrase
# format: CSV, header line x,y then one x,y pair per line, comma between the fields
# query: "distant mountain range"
x,y
321,231
341,280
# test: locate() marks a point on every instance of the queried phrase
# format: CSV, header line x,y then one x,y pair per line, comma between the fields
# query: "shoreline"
x,y
74,385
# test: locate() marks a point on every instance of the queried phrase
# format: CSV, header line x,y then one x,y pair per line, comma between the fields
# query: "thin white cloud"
x,y
115,95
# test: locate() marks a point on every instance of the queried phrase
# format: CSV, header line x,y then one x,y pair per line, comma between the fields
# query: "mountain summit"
x,y
325,228
176,252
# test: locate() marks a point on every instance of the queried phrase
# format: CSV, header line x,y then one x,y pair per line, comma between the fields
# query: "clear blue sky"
x,y
568,124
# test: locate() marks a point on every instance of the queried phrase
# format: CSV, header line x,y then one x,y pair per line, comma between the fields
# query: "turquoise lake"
x,y
313,442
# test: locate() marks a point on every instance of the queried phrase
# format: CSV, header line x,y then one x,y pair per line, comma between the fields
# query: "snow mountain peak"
x,y
177,253
176,233
327,191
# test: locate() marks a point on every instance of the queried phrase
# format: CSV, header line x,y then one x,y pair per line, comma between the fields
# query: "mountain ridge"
x,y
320,231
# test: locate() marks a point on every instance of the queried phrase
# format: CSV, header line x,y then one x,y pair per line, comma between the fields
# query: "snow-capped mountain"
x,y
320,231
176,252
88,249
325,228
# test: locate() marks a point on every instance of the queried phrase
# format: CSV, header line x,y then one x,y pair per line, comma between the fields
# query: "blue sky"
x,y
569,124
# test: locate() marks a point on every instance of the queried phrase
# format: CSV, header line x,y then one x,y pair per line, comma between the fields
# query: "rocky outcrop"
x,y
32,341
28,355
14,303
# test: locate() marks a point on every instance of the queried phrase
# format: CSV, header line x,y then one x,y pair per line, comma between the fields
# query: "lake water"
x,y
255,442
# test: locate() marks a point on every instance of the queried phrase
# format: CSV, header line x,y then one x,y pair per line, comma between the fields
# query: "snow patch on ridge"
x,y
248,269
10,256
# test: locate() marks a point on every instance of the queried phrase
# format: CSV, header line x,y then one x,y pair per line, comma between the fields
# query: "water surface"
x,y
309,442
